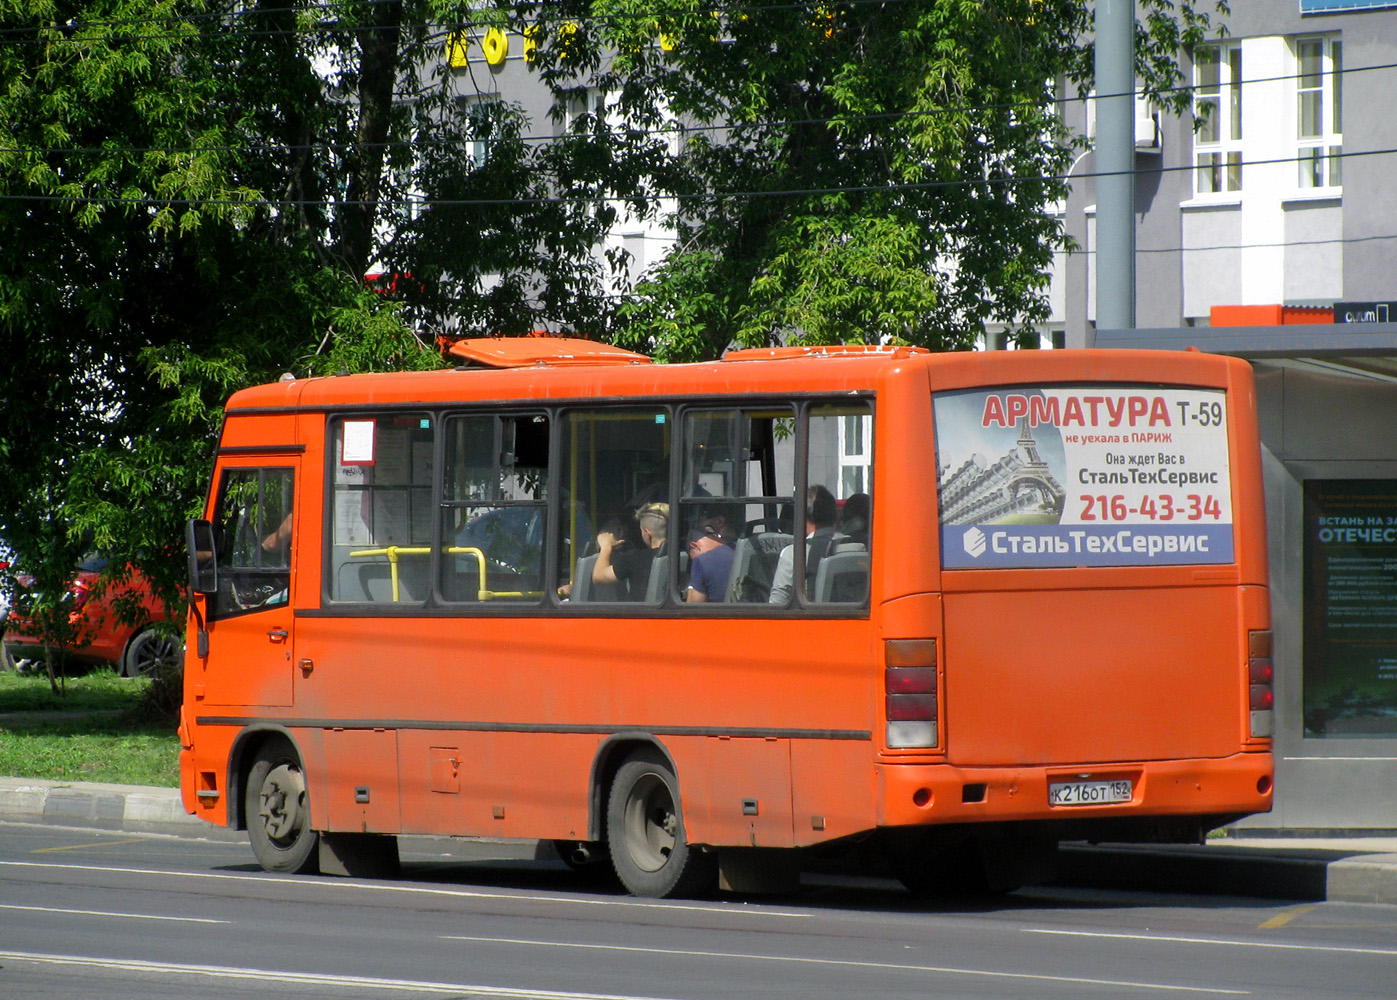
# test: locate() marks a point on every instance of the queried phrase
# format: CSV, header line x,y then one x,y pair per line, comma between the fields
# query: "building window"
x,y
1217,105
1318,106
855,453
587,121
483,128
587,113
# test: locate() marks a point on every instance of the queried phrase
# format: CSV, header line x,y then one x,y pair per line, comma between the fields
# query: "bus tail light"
x,y
909,681
1261,681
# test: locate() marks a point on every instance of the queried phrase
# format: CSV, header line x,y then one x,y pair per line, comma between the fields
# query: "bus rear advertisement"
x,y
933,613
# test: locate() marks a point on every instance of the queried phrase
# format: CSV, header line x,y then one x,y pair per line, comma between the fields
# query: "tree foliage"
x,y
846,171
169,193
191,192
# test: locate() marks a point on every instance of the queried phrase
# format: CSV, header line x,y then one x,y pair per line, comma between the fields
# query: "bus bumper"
x,y
925,794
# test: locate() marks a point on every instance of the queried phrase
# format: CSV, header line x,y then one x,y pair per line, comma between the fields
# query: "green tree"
x,y
185,213
192,191
846,171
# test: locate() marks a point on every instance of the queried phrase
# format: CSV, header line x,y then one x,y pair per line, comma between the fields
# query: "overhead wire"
x,y
644,132
670,130
593,198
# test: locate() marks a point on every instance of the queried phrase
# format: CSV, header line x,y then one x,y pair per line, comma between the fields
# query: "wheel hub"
x,y
651,824
282,801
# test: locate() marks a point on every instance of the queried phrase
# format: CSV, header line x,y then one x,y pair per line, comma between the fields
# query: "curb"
x,y
1277,869
1274,871
1369,879
126,808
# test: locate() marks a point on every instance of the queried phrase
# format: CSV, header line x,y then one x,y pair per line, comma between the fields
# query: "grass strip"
x,y
94,690
100,729
110,750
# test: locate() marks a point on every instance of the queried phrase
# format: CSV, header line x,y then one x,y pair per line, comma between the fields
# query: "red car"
x,y
134,650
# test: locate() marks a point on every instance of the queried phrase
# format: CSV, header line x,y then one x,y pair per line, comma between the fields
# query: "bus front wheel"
x,y
277,808
645,832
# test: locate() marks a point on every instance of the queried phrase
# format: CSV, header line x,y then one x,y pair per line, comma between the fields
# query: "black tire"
x,y
152,651
277,809
645,833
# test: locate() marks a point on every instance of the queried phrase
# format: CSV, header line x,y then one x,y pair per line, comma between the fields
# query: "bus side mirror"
x,y
203,557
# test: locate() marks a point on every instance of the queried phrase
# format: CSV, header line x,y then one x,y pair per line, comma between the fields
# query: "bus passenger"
x,y
630,565
853,518
710,561
624,532
821,512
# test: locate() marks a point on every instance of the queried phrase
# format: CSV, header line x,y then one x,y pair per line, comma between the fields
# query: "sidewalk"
x,y
1353,869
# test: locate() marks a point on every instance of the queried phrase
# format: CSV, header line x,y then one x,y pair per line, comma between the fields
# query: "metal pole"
x,y
1115,164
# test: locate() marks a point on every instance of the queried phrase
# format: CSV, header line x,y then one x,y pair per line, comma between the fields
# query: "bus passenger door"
x,y
250,619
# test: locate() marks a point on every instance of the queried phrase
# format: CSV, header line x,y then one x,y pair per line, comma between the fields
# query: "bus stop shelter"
x,y
1327,398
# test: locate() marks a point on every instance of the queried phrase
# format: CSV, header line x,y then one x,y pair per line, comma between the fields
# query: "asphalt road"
x,y
115,915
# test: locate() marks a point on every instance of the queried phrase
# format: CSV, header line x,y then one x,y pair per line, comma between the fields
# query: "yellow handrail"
x,y
394,551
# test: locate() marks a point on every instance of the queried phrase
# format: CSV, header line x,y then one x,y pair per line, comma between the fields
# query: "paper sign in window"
x,y
357,446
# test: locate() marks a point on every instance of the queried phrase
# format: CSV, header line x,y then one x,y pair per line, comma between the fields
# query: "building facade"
x,y
487,67
1266,202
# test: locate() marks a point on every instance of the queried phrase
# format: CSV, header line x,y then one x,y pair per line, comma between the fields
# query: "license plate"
x,y
1088,793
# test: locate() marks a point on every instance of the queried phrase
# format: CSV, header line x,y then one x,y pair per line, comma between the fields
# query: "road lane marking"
x,y
108,913
84,847
1281,919
1222,942
312,979
851,963
338,884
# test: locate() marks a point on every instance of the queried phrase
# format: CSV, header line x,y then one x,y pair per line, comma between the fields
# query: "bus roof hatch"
x,y
824,351
525,352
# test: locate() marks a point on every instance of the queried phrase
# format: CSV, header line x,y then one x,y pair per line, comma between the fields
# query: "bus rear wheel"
x,y
277,808
645,832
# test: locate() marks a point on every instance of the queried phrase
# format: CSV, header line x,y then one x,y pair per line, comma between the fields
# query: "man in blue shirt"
x,y
710,562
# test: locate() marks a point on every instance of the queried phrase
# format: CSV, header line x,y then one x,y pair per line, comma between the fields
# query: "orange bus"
x,y
555,594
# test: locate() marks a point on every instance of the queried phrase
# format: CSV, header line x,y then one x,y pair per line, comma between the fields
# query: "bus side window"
x,y
494,508
380,510
841,459
614,481
253,521
739,467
